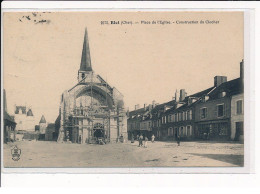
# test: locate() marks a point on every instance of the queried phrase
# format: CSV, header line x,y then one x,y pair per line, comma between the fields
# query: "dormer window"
x,y
222,94
206,98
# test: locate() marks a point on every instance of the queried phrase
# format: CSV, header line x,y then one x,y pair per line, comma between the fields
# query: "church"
x,y
92,109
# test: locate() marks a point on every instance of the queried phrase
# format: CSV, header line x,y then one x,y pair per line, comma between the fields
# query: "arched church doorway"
x,y
98,130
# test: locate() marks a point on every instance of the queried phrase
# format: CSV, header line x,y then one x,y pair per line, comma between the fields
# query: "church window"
x,y
83,75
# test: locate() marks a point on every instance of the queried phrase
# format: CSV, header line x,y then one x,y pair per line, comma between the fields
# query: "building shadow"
x,y
229,158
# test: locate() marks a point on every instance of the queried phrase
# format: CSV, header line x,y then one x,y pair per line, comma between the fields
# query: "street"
x,y
158,154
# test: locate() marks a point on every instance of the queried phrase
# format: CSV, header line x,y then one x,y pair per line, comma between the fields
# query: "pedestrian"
x,y
145,142
140,140
153,137
132,139
178,140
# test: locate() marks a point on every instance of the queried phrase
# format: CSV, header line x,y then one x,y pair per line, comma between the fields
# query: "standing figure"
x,y
141,140
178,140
132,139
153,137
145,142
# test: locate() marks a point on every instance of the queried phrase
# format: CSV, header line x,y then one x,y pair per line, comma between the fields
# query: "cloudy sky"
x,y
145,62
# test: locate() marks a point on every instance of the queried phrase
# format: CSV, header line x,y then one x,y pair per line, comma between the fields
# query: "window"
x,y
181,132
203,113
220,109
170,131
82,75
184,116
189,130
239,107
180,116
184,131
190,112
176,117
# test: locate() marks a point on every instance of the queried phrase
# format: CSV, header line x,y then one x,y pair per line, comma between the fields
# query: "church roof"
x,y
85,64
29,112
42,120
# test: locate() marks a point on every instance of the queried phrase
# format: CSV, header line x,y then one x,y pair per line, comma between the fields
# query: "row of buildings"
x,y
22,125
215,113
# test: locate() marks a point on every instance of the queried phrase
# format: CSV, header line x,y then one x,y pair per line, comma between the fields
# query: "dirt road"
x,y
158,154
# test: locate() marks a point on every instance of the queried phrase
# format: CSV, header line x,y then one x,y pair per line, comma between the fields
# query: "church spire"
x,y
85,64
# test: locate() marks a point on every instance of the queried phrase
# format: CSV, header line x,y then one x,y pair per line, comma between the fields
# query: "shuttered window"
x,y
220,110
239,107
203,113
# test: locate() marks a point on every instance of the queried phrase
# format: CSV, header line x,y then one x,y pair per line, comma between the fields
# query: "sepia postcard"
x,y
123,89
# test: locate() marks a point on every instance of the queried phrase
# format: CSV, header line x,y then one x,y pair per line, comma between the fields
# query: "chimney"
x,y
153,103
218,80
145,105
242,69
136,106
182,94
176,95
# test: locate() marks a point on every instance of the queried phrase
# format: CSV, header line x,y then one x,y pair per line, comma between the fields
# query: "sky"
x,y
145,62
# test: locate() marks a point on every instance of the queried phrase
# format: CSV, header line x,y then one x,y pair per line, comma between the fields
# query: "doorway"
x,y
98,130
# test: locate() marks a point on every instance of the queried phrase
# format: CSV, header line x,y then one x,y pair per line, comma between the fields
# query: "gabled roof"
x,y
30,113
231,88
42,119
136,113
9,118
199,94
17,108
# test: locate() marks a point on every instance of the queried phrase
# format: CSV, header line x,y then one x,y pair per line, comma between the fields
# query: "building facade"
x,y
9,123
92,109
42,125
216,113
213,112
24,118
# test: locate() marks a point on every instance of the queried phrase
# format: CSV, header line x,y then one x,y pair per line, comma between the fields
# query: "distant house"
x,y
9,128
50,133
42,125
159,120
24,118
134,120
9,123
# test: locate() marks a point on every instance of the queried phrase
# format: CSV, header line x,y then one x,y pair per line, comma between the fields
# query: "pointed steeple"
x,y
42,120
85,64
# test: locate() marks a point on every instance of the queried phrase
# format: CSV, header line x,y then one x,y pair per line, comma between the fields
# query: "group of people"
x,y
142,140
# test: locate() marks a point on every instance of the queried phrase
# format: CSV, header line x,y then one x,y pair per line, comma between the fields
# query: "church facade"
x,y
92,109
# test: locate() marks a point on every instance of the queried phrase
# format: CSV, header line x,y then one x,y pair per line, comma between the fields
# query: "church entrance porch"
x,y
98,130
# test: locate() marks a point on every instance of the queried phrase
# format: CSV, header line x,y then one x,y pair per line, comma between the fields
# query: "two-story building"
x,y
213,111
237,109
159,120
135,118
